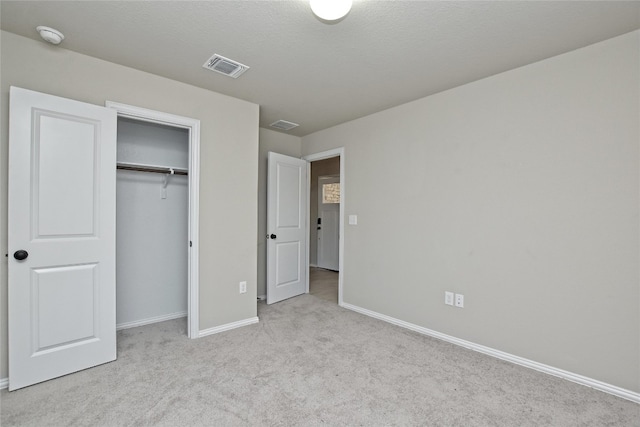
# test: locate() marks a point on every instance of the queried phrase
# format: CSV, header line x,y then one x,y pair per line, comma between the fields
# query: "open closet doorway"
x,y
156,228
326,213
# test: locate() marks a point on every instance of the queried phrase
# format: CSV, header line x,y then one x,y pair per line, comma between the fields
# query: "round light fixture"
x,y
51,35
330,10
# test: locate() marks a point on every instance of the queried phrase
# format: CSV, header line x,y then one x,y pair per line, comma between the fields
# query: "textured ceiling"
x,y
384,53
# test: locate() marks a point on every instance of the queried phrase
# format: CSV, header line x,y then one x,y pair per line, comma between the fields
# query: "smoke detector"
x,y
50,35
226,66
284,125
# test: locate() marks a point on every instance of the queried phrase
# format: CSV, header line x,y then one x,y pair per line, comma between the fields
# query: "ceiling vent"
x,y
225,66
284,125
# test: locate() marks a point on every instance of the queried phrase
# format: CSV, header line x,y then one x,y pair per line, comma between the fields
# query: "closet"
x,y
152,214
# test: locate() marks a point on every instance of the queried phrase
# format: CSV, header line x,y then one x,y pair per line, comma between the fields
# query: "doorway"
x,y
326,224
288,204
186,130
151,223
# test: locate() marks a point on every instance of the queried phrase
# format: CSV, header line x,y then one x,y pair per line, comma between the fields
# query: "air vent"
x,y
225,66
284,125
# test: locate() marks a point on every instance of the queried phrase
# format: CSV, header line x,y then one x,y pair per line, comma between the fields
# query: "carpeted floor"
x,y
307,363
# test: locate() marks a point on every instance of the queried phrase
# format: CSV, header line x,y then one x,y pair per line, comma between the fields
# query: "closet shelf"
x,y
152,168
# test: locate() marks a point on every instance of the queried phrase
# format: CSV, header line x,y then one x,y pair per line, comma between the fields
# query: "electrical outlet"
x,y
448,298
243,287
460,300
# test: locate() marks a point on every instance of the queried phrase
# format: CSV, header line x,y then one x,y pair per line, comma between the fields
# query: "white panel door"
x,y
329,222
286,225
62,157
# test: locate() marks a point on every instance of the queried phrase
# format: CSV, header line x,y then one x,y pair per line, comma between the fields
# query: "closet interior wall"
x,y
151,230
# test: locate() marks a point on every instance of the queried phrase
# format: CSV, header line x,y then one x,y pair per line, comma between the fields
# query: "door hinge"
x,y
190,243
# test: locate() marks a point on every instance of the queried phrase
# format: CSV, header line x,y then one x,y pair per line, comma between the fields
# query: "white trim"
x,y
262,297
336,152
150,320
4,383
227,327
193,125
541,367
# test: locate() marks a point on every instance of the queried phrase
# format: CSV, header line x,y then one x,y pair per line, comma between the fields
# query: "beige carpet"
x,y
307,363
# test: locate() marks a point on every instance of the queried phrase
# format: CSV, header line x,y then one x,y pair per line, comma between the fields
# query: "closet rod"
x,y
152,169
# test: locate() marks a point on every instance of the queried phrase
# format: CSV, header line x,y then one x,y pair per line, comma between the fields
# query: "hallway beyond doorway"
x,y
323,284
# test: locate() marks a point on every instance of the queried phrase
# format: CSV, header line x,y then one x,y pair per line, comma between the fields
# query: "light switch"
x,y
353,219
448,298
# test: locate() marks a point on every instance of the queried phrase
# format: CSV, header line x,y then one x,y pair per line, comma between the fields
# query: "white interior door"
x,y
286,225
62,157
329,221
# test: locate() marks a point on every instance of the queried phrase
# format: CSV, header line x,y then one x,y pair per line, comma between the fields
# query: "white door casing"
x,y
61,210
286,227
328,228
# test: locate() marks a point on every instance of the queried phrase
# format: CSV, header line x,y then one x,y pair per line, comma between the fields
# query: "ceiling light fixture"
x,y
50,35
330,10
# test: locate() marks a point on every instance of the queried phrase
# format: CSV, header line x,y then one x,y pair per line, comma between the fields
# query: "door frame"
x,y
332,177
336,152
193,126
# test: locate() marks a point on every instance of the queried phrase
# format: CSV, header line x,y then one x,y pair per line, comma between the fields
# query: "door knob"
x,y
273,236
21,254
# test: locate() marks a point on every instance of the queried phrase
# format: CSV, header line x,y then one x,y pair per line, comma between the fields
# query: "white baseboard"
x,y
313,265
576,378
151,320
4,383
227,327
262,297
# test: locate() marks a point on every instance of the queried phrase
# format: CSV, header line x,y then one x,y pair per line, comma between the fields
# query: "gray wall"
x,y
520,191
228,164
320,168
282,144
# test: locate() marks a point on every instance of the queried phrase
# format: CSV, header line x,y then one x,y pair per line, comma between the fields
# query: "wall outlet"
x,y
460,300
448,298
243,287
